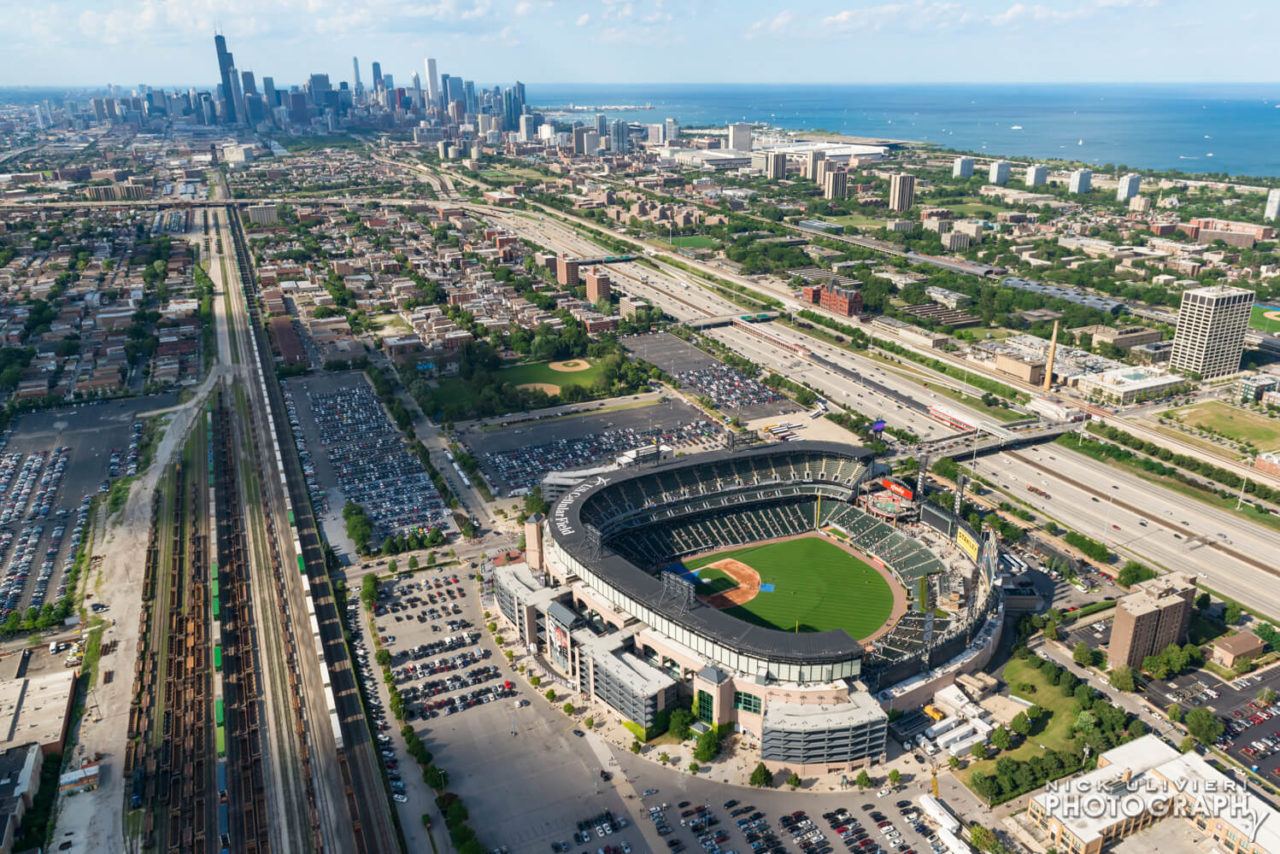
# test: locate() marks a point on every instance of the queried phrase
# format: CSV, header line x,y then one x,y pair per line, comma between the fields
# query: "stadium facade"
x,y
598,602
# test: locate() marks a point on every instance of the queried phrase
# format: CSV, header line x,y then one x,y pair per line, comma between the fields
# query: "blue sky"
x,y
72,42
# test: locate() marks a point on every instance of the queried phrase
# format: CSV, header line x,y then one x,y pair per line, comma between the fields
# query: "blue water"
x,y
1203,128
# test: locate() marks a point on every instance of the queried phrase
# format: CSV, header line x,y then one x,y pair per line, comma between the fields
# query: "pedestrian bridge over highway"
x,y
976,443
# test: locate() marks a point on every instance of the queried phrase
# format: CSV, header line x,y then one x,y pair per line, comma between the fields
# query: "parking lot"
x,y
52,464
702,375
1252,733
517,457
350,451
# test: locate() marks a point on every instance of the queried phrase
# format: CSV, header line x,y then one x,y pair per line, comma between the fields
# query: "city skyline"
x,y
921,41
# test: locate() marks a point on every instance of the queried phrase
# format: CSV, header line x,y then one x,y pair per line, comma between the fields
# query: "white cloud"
x,y
920,15
583,19
769,26
522,8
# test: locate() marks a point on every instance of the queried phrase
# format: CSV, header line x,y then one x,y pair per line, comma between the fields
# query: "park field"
x,y
1233,422
545,373
1259,320
807,584
694,241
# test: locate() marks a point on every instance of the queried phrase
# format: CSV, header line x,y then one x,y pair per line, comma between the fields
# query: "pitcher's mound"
x,y
570,366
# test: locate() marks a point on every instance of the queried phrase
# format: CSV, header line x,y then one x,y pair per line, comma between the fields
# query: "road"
x,y
1235,558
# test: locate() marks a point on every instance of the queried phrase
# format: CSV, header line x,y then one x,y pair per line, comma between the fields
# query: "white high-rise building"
x,y
657,134
775,165
962,167
527,128
433,82
739,137
998,173
1212,322
1128,187
902,192
671,128
1081,181
1037,175
1272,211
811,161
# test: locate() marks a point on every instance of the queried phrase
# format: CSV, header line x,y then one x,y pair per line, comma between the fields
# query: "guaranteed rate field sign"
x,y
806,584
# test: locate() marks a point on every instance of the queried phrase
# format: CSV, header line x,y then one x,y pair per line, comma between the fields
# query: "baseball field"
x,y
807,584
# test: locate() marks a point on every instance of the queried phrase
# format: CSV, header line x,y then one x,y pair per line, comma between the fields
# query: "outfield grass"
x,y
694,241
1030,684
1258,320
1232,422
818,587
540,372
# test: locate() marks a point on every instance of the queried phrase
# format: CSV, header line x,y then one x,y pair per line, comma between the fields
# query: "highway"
x,y
1235,558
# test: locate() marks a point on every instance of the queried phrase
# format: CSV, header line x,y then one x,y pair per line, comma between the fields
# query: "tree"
x,y
1174,712
413,563
678,725
636,747
1266,696
1082,654
1001,739
392,565
895,777
1187,744
1204,725
793,781
1021,724
435,778
568,708
369,590
1231,614
589,722
985,839
863,780
1121,678
953,762
1202,602
761,776
551,694
694,767
664,758
708,746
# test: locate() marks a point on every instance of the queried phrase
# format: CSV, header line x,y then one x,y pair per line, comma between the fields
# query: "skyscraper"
x,y
377,76
1128,187
998,172
739,137
1081,181
962,167
902,192
355,71
1272,211
775,165
811,161
1037,174
1212,322
225,64
619,137
433,82
236,98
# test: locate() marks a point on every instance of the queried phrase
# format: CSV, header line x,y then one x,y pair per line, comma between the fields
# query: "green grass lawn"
x,y
695,241
818,587
1258,320
1056,734
1232,422
539,372
858,221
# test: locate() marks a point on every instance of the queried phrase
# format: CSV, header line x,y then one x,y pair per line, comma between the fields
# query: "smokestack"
x,y
1053,351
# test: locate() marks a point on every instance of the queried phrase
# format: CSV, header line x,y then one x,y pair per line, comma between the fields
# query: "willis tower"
x,y
225,64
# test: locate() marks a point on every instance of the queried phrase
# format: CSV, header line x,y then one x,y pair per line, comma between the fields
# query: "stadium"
x,y
766,588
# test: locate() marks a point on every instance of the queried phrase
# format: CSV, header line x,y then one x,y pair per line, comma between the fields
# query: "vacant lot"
x,y
1232,422
807,584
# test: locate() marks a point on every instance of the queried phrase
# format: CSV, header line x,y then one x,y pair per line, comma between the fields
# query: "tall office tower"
x,y
527,126
580,139
417,92
1037,175
1211,326
225,63
590,141
775,165
252,107
902,192
388,87
657,134
520,99
1081,181
318,86
1157,613
510,112
1272,210
433,82
377,76
1128,187
998,172
670,130
619,137
444,92
355,78
469,97
962,167
237,96
269,93
835,184
456,91
739,137
811,161
602,125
